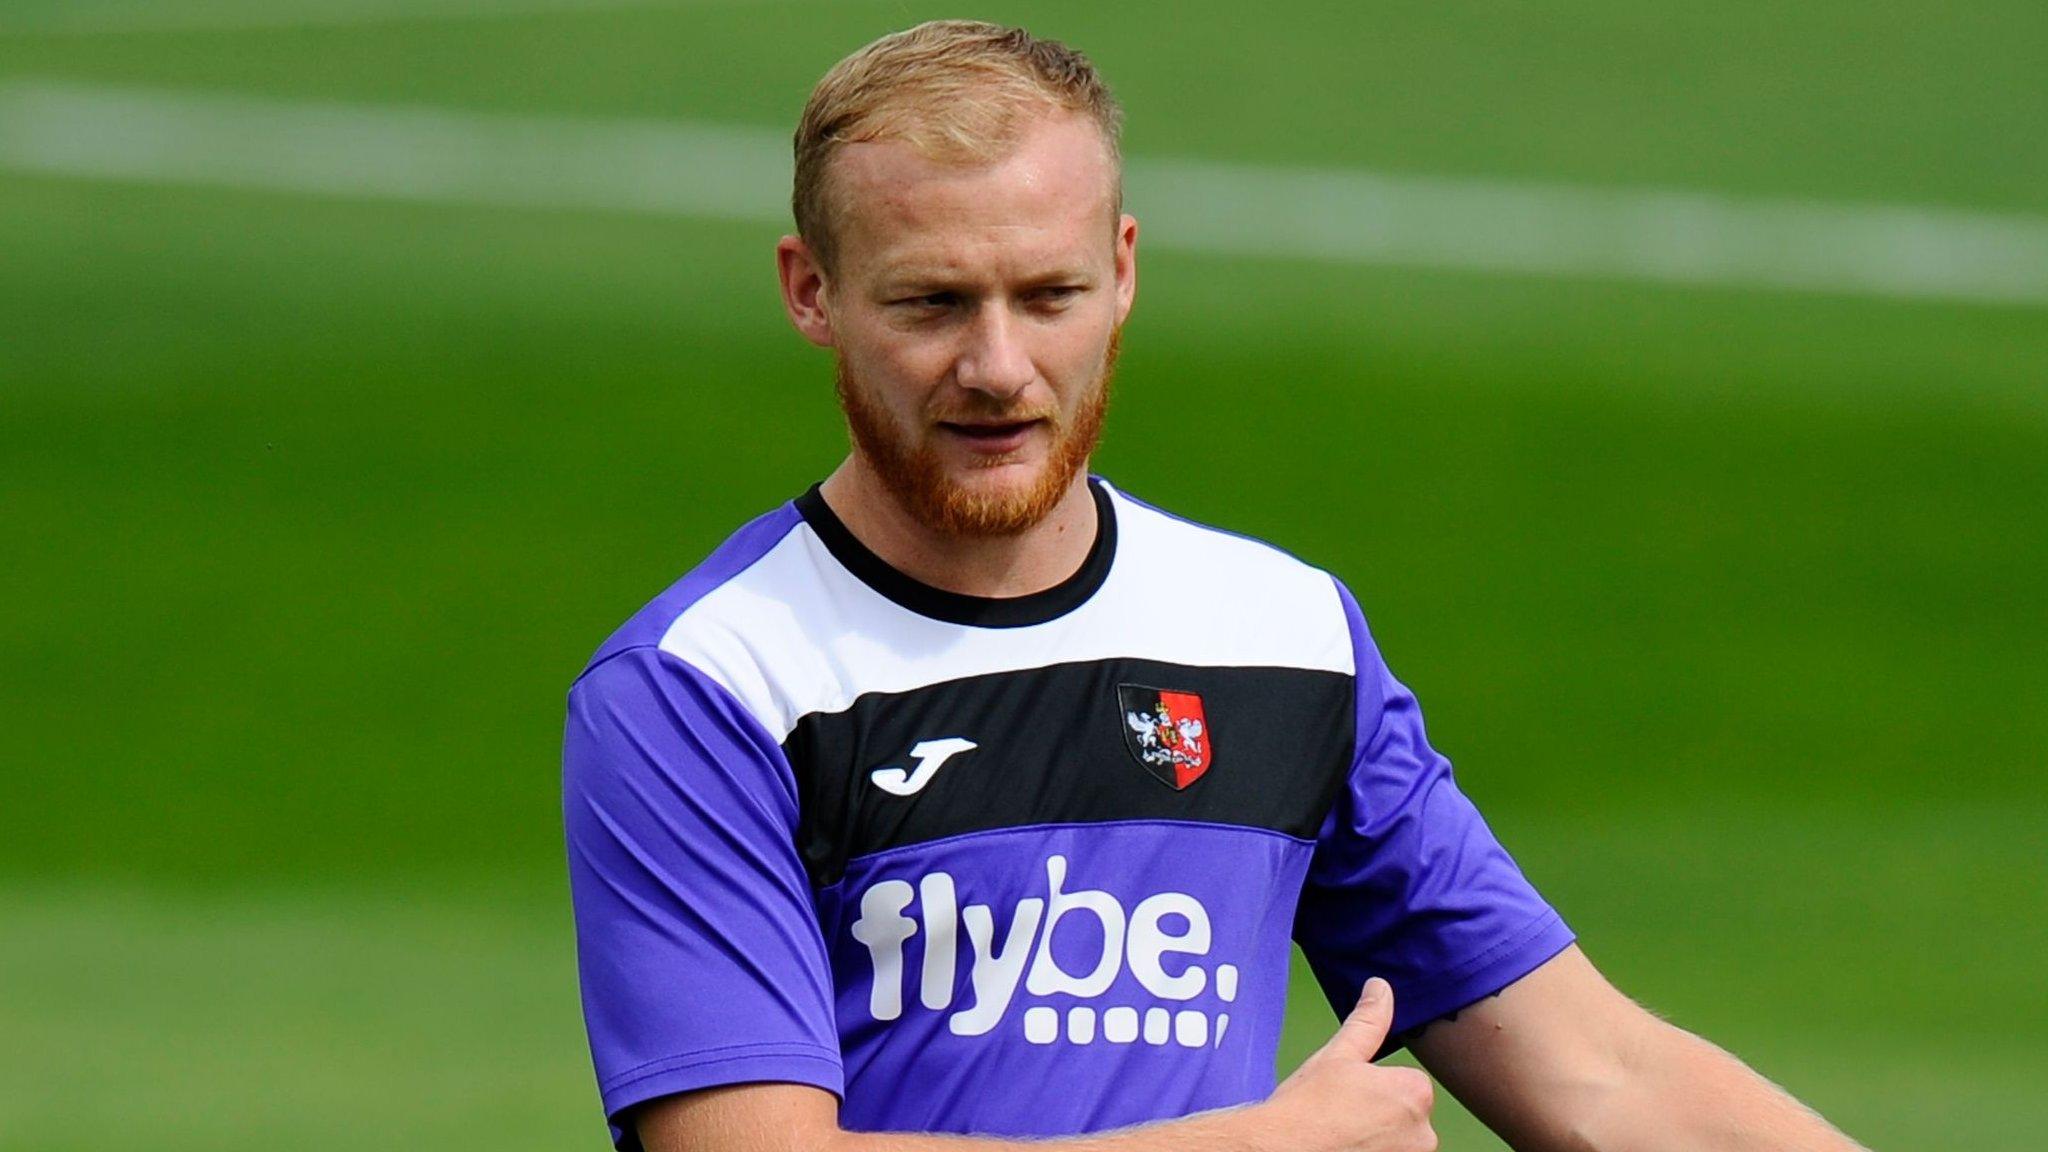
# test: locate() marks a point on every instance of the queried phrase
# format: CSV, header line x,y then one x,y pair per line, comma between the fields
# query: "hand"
x,y
1340,1101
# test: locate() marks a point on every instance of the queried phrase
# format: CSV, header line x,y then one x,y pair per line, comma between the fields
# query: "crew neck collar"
x,y
958,607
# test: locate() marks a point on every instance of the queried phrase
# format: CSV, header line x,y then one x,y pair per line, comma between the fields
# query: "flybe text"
x,y
1160,941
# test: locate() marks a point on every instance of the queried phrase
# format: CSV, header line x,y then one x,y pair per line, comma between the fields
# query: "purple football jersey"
x,y
1020,867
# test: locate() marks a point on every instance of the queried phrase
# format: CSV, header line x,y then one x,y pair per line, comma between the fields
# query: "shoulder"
x,y
1267,597
1147,526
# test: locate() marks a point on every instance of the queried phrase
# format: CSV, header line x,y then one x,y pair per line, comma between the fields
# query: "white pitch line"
x,y
664,168
742,174
1565,230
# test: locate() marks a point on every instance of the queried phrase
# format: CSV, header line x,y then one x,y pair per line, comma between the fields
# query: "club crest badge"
x,y
1167,733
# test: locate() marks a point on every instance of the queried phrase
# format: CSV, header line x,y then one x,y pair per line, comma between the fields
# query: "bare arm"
x,y
799,1118
1338,1101
1562,1061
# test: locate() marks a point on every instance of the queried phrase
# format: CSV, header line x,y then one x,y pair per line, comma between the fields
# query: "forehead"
x,y
1049,200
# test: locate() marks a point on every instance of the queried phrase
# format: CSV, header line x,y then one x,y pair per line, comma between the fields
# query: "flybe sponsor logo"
x,y
1161,942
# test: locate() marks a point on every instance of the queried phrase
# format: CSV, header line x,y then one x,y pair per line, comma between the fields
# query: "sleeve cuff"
x,y
1495,969
751,1063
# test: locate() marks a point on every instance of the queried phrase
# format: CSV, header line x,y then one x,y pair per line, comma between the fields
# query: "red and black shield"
x,y
1167,733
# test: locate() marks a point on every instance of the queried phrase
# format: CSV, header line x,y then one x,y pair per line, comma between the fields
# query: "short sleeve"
x,y
697,942
1406,881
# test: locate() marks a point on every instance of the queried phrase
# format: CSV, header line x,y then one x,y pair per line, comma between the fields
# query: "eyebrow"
x,y
914,280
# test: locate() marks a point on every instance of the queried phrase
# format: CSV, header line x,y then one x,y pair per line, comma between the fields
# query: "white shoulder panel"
x,y
1219,598
795,633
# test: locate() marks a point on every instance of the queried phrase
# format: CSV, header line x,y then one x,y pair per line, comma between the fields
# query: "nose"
x,y
995,360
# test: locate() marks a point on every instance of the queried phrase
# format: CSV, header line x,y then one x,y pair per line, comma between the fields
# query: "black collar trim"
x,y
957,607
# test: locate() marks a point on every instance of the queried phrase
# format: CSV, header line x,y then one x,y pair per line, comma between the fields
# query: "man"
x,y
966,794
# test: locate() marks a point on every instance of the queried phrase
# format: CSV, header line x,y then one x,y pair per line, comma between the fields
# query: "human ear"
x,y
803,290
1126,257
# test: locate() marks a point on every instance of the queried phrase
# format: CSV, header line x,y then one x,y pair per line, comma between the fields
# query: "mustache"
x,y
993,413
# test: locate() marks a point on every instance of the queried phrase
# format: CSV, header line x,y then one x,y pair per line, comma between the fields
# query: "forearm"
x,y
1562,1062
784,1118
1676,1091
1336,1101
1230,1130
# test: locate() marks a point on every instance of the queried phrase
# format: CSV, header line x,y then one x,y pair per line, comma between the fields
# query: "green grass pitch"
x,y
1728,605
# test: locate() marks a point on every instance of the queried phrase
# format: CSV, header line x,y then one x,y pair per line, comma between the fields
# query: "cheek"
x,y
870,339
1079,357
895,374
919,364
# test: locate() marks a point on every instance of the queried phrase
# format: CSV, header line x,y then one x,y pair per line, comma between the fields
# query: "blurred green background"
x,y
1731,605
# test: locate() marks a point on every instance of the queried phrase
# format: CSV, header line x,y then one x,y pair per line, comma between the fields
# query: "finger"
x,y
1362,1032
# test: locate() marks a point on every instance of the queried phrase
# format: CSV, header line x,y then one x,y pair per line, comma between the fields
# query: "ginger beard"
x,y
910,467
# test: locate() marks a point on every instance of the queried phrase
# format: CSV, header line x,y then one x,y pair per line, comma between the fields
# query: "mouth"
x,y
993,439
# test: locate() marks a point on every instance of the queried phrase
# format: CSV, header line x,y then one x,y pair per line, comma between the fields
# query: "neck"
x,y
1033,560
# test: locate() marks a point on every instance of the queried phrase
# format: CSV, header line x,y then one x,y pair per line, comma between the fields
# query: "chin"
x,y
1001,474
999,500
954,492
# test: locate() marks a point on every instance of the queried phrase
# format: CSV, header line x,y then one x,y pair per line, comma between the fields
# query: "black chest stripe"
x,y
1071,743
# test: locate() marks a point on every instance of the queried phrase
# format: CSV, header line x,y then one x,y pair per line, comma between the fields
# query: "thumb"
x,y
1362,1032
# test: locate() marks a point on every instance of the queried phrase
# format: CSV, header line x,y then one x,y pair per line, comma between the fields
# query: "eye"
x,y
1056,294
929,301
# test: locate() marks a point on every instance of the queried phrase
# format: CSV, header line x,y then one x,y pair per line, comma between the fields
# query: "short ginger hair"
x,y
958,91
